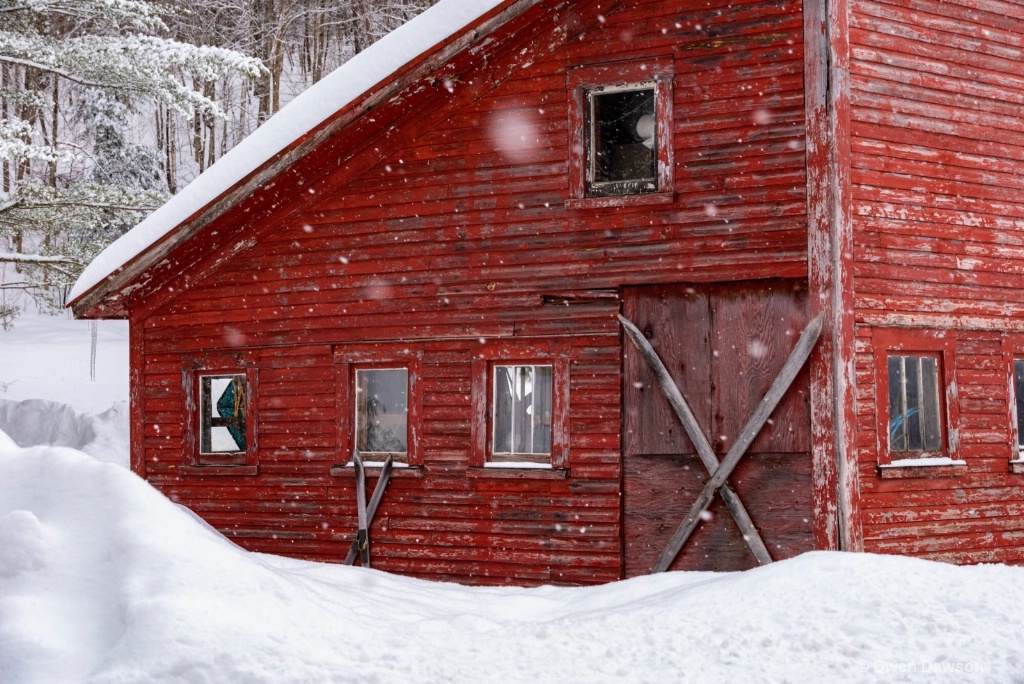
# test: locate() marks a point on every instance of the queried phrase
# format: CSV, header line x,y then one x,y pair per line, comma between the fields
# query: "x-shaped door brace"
x,y
720,472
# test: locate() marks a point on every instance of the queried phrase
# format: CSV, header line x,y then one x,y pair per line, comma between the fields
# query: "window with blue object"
x,y
915,409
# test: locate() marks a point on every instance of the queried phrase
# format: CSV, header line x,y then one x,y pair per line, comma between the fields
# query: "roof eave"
x,y
109,298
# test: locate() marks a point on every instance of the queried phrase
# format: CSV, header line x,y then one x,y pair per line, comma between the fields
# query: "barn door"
x,y
724,344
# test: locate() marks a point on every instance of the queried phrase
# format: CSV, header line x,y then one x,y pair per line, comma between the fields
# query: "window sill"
x,y
223,470
400,470
1017,466
518,471
621,200
922,467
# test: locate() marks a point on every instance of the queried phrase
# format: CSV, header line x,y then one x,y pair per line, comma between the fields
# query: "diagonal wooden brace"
x,y
764,410
363,531
366,511
693,430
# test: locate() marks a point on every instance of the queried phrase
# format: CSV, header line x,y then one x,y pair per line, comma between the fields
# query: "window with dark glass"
x,y
382,412
622,141
222,411
1018,395
915,413
521,417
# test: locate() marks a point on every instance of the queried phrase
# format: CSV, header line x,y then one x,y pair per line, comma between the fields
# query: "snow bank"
x,y
298,117
102,579
38,422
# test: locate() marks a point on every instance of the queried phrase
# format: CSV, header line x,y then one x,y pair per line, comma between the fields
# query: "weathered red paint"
x,y
936,138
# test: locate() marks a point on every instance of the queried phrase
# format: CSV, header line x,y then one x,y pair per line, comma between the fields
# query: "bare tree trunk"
x,y
53,129
362,26
5,81
172,152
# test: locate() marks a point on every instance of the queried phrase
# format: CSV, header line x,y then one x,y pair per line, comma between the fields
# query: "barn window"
x,y
620,125
520,398
521,413
622,145
222,412
1017,414
220,417
915,422
382,413
379,400
916,405
1018,395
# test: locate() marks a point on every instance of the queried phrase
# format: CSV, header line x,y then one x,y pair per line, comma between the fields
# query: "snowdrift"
x,y
39,422
102,579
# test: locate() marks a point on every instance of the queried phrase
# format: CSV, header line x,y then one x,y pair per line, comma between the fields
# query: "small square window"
x,y
520,401
379,403
622,141
521,417
382,411
915,414
222,414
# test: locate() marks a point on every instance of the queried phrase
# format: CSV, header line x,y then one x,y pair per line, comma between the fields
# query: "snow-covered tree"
x,y
74,78
106,106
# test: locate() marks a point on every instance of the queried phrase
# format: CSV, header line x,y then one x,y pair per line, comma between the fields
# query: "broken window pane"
x,y
382,411
222,409
623,154
915,422
522,410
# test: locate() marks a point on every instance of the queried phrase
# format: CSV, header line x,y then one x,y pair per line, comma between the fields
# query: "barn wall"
x,y
937,145
463,236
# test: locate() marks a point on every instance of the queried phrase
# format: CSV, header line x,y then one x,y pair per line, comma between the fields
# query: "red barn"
x,y
424,258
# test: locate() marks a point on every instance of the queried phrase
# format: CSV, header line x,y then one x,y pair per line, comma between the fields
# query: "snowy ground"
x,y
104,580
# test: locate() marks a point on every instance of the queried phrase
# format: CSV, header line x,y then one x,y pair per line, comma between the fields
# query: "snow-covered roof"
x,y
299,117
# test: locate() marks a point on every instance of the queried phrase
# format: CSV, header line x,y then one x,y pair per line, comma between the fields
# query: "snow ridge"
x,y
103,579
37,422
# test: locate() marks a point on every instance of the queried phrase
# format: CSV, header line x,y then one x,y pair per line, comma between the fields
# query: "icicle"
x,y
94,327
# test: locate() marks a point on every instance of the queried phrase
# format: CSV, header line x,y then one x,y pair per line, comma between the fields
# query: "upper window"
x,y
382,412
620,125
521,416
622,144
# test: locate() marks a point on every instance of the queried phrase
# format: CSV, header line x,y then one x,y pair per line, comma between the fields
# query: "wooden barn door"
x,y
724,344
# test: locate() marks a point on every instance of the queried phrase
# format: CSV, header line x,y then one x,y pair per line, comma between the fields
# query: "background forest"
x,y
108,107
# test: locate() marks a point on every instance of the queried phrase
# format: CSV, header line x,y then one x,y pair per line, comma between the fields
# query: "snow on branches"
x,y
75,76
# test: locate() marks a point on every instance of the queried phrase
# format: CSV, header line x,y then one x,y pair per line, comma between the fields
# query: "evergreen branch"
x,y
22,285
10,258
71,203
64,74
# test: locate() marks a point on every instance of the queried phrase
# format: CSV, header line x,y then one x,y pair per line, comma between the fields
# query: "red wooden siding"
x,y
462,233
937,145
